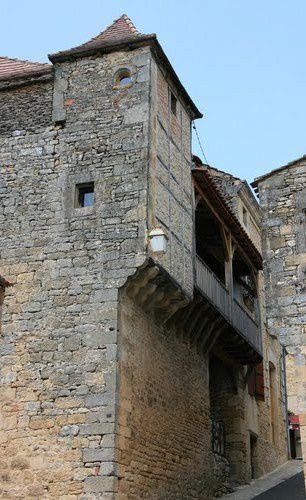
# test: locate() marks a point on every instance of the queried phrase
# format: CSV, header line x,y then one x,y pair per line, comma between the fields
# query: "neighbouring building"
x,y
282,195
135,356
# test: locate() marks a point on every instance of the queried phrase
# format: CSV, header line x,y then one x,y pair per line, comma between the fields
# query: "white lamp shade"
x,y
158,240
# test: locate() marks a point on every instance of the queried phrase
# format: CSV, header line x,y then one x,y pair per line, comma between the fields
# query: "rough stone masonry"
x,y
98,398
60,129
282,194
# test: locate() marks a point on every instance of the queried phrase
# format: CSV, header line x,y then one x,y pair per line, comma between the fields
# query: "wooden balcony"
x,y
235,314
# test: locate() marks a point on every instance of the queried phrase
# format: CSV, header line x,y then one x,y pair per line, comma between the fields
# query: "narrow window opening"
x,y
84,195
173,103
245,217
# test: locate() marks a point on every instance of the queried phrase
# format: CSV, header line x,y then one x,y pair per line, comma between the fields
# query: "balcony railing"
x,y
213,288
218,295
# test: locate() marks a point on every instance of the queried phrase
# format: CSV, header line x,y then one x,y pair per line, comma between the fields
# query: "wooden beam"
x,y
245,256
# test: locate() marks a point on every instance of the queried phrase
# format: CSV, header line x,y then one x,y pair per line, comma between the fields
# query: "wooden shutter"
x,y
256,384
259,382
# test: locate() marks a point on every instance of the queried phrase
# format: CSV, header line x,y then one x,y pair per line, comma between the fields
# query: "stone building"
x,y
126,372
282,195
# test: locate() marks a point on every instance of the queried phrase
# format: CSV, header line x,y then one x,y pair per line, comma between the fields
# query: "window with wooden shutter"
x,y
256,386
259,382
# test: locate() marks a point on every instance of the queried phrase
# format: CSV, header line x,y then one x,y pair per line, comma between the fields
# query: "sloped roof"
x,y
206,181
215,170
226,179
256,181
121,29
123,35
14,68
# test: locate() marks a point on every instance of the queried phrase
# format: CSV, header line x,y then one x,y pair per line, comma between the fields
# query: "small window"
x,y
173,103
123,78
84,195
245,217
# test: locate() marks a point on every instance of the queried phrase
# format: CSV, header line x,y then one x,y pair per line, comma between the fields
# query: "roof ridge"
x,y
130,23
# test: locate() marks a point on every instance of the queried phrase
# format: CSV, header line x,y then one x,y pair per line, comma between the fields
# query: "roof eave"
x,y
126,44
263,177
12,81
102,47
26,74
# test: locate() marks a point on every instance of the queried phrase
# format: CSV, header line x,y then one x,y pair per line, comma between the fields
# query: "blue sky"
x,y
242,62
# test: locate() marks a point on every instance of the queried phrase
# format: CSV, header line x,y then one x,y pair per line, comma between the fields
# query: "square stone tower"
x,y
95,153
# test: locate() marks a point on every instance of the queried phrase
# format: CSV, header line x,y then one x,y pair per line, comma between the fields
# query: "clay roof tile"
x,y
121,29
17,68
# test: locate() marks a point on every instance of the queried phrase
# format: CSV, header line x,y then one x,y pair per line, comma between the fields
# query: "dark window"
x,y
85,195
245,217
173,103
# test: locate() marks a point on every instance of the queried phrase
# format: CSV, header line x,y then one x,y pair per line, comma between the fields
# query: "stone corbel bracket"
x,y
153,289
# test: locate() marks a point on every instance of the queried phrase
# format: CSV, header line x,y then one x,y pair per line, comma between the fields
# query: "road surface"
x,y
291,489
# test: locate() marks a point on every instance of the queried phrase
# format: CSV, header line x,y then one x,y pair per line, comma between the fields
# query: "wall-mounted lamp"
x,y
158,240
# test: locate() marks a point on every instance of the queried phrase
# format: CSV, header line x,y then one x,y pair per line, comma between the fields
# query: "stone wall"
x,y
164,423
227,404
59,321
34,105
268,454
171,192
168,396
283,199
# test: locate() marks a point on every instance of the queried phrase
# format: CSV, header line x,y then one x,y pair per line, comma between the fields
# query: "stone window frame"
x,y
70,194
123,72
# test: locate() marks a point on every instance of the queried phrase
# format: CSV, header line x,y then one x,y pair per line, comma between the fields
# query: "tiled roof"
x,y
229,184
214,170
121,29
11,68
